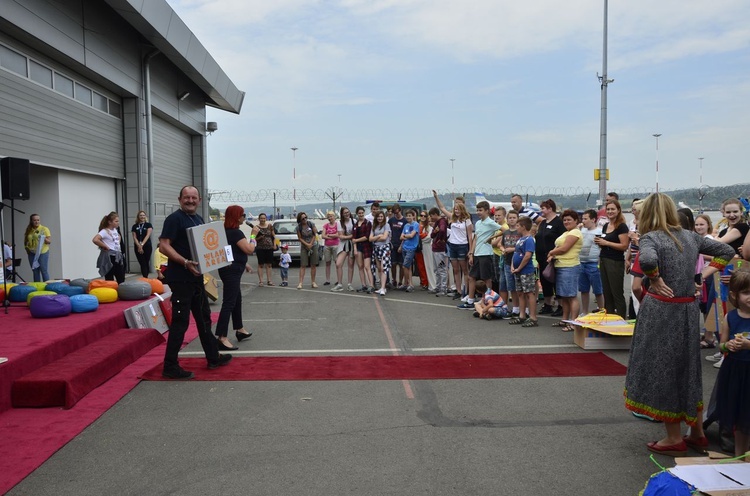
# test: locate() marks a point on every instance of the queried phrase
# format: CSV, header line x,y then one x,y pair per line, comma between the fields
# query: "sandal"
x,y
269,283
708,344
260,284
530,323
516,320
559,324
567,328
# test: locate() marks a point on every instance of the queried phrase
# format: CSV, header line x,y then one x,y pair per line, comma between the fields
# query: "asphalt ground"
x,y
538,436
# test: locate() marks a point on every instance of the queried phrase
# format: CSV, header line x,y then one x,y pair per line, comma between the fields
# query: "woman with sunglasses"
x,y
308,253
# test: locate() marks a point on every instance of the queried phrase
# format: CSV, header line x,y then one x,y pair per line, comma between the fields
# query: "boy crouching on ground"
x,y
490,306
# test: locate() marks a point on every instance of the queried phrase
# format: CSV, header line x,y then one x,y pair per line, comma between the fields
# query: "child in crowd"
x,y
439,237
330,236
733,396
397,222
497,249
480,253
523,270
284,261
491,305
408,248
508,242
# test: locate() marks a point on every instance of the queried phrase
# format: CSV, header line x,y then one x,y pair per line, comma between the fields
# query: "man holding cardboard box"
x,y
186,283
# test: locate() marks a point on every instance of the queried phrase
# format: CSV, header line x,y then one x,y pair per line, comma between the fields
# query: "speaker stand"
x,y
13,210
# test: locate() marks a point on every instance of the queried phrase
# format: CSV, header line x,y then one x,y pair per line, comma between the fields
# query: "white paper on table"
x,y
705,477
737,471
228,251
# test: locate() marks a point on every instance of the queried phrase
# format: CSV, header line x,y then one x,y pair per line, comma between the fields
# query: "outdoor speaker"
x,y
15,175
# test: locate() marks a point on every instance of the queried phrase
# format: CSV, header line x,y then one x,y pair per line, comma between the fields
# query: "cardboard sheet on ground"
x,y
715,477
608,324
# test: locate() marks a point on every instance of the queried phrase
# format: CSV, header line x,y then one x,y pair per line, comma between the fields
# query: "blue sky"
x,y
386,92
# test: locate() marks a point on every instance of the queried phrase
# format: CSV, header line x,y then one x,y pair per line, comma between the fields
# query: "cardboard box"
x,y
715,459
209,246
590,339
148,315
212,287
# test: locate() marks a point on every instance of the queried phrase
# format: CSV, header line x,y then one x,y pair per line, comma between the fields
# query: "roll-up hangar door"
x,y
173,168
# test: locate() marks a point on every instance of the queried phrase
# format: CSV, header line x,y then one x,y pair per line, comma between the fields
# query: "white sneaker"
x,y
465,298
716,357
381,292
717,365
338,287
350,287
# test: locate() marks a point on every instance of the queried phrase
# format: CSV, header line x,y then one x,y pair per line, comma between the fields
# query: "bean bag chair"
x,y
40,286
57,287
84,283
8,285
2,293
48,306
104,295
19,293
101,283
71,290
134,290
38,293
83,303
156,285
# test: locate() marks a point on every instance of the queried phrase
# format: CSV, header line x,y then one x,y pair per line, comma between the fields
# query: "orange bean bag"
x,y
101,283
156,285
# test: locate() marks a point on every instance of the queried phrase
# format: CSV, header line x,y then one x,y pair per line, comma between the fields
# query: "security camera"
x,y
211,127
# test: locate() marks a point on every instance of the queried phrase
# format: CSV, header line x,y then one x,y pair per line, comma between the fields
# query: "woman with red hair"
x,y
231,302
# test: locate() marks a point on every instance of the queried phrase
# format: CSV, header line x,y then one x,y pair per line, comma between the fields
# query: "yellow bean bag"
x,y
101,283
104,295
38,285
156,285
38,293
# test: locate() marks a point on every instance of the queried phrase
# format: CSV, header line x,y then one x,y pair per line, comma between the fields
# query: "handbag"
x,y
549,271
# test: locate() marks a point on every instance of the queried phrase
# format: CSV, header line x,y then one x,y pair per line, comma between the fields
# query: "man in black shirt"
x,y
186,283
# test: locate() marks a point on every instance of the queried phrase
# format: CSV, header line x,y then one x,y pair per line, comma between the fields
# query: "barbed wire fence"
x,y
308,195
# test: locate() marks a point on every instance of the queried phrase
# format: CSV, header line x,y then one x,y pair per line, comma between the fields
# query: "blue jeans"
x,y
40,273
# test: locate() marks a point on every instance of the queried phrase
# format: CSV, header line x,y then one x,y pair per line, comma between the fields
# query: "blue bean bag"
x,y
70,290
19,293
83,303
45,307
57,287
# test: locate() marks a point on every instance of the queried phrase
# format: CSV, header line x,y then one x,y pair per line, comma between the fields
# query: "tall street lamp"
x,y
453,178
603,172
294,177
657,160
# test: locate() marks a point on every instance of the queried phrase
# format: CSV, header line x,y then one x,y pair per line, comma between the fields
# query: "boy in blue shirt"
x,y
480,252
524,272
408,248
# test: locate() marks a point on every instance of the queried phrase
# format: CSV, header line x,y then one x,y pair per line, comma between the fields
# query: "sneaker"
x,y
350,287
285,284
299,286
717,365
177,374
382,292
465,298
220,362
715,357
363,289
489,316
338,287
465,306
475,315
424,288
327,283
370,290
514,315
313,285
558,312
409,289
401,287
546,309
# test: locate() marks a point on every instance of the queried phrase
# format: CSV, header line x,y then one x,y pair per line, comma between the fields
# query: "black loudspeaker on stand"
x,y
15,178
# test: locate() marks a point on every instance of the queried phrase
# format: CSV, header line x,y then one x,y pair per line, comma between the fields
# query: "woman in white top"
x,y
345,250
109,241
461,232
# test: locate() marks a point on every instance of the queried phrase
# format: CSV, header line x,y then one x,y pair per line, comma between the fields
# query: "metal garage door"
x,y
173,168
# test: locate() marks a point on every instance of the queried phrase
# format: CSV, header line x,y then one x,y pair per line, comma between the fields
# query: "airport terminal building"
x,y
107,100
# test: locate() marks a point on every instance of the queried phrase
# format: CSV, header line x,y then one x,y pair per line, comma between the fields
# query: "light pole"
x,y
656,135
701,189
453,178
603,123
294,177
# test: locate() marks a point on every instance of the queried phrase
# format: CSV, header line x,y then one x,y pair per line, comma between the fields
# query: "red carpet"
x,y
64,382
401,367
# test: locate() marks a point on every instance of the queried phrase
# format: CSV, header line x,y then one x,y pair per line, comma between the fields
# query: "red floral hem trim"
x,y
664,416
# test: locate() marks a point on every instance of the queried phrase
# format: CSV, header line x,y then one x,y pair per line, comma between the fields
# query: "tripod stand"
x,y
6,299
